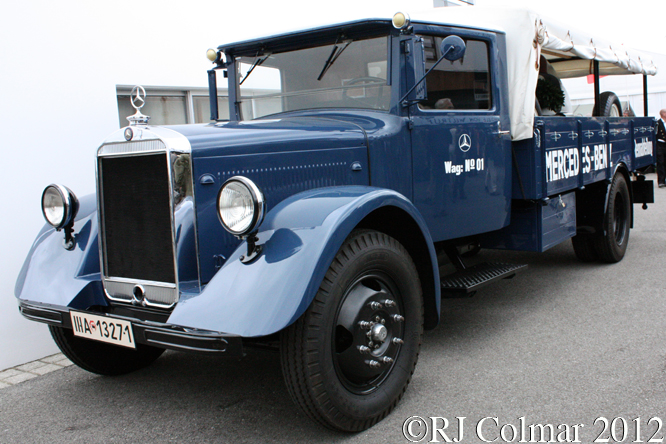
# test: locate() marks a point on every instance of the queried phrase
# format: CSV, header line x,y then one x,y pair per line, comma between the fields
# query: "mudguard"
x,y
300,238
52,275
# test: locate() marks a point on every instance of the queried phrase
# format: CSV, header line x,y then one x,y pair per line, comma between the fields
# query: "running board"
x,y
465,283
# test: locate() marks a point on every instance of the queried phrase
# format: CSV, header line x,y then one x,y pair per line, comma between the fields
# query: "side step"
x,y
466,282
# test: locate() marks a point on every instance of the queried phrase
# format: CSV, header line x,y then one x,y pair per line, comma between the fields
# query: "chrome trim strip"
x,y
132,147
156,294
187,341
41,314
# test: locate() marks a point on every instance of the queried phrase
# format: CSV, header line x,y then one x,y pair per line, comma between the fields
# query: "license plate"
x,y
101,328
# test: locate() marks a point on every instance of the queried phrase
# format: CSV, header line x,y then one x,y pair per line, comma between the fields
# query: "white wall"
x,y
60,64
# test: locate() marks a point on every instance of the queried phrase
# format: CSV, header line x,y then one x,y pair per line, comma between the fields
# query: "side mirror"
x,y
453,48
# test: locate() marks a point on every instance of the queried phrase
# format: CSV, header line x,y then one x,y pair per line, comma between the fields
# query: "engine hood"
x,y
271,135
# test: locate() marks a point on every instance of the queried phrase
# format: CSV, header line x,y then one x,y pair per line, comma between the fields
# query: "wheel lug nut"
x,y
377,318
376,346
365,325
370,343
398,341
372,363
375,305
387,360
383,321
389,303
397,318
364,349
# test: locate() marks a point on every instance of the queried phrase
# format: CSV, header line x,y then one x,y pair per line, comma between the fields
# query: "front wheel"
x,y
612,241
348,360
101,358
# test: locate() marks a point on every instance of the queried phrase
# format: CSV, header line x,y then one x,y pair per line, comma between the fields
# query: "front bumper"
x,y
151,333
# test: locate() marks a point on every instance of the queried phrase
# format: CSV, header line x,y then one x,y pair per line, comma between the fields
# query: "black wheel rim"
x,y
619,219
368,332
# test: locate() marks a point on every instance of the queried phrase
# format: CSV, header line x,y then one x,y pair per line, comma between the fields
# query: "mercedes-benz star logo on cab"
x,y
465,143
138,97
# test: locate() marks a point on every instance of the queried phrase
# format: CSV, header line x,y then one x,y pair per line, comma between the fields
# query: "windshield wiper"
x,y
257,62
337,50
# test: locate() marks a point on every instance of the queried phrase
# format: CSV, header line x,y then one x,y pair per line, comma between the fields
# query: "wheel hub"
x,y
379,332
369,332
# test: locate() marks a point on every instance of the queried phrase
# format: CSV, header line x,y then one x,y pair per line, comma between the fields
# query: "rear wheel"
x,y
612,241
583,245
348,360
101,358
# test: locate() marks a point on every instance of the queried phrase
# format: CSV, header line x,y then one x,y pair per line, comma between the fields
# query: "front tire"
x,y
348,360
101,358
614,237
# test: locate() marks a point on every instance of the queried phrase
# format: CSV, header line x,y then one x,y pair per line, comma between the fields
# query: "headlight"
x,y
59,206
240,206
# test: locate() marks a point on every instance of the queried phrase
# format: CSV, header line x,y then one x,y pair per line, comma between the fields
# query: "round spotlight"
x,y
59,206
400,20
240,206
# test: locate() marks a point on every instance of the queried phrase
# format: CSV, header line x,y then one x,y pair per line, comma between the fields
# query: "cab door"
x,y
461,147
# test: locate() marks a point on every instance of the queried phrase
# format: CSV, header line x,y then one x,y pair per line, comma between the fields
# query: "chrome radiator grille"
x,y
140,197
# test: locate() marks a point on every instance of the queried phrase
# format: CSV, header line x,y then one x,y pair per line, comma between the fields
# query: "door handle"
x,y
499,131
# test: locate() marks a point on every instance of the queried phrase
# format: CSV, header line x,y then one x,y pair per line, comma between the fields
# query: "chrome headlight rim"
x,y
258,205
69,204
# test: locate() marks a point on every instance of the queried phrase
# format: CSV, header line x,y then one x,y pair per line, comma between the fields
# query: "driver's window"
x,y
460,85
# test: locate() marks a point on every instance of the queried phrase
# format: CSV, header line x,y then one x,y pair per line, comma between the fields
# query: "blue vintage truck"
x,y
315,220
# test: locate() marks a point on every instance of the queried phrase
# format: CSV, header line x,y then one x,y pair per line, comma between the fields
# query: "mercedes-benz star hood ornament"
x,y
138,98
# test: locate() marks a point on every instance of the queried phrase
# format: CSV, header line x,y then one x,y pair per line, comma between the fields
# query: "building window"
x,y
172,106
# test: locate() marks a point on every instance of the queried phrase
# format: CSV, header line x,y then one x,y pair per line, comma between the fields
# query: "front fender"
x,y
53,275
300,238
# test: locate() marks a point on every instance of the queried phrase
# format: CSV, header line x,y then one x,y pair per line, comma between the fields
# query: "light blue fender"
x,y
300,238
53,275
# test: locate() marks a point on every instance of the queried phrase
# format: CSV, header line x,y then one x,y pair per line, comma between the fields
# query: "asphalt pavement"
x,y
568,349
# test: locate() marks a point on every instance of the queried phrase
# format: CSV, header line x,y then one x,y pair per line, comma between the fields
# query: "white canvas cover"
x,y
528,35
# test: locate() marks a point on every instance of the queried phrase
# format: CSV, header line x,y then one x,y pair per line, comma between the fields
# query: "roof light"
x,y
400,20
212,55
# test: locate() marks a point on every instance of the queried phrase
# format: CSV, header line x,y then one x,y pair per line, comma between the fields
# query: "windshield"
x,y
349,74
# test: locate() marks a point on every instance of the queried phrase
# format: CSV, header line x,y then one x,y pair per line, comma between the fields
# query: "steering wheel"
x,y
372,102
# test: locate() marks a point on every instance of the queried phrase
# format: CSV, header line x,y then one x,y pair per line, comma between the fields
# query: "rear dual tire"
x,y
609,243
